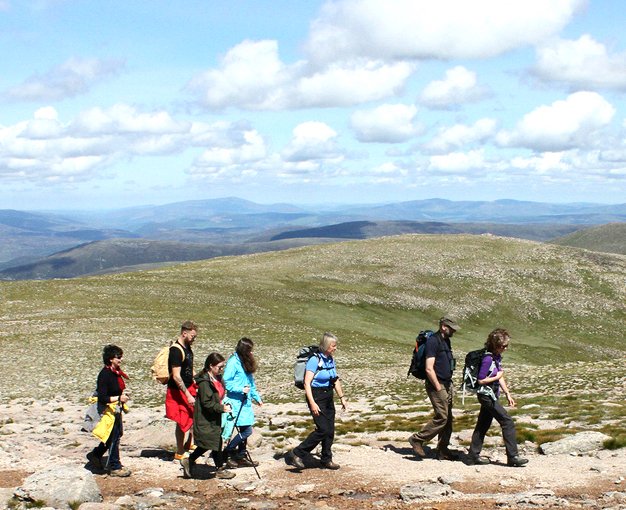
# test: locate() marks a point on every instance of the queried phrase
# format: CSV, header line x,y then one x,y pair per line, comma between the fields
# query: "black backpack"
x,y
473,360
418,360
299,367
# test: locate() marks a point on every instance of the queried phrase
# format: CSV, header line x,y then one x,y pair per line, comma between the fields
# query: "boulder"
x,y
60,487
425,491
583,442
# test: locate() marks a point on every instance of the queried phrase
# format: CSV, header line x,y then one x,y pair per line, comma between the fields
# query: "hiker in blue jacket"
x,y
491,381
240,393
320,380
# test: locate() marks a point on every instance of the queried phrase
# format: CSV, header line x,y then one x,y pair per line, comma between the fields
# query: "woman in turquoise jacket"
x,y
240,393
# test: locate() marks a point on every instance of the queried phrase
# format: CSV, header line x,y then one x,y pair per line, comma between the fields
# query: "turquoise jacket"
x,y
235,378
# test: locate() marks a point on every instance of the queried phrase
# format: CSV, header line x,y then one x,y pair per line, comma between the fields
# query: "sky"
x,y
122,103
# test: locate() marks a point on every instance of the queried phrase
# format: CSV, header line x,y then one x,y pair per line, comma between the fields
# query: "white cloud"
x,y
352,83
459,135
125,118
46,149
388,123
252,76
252,149
547,162
575,121
312,141
458,87
72,78
423,29
582,64
387,173
458,162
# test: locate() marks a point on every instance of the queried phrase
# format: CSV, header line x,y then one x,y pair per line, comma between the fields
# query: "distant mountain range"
x,y
61,244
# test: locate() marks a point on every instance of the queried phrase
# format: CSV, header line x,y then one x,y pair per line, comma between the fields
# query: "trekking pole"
x,y
245,397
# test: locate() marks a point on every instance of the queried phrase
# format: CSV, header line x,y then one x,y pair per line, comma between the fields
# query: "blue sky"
x,y
114,104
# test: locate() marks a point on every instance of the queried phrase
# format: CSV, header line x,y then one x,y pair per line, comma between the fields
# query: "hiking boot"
x,y
223,474
95,461
418,446
293,460
121,472
447,454
231,464
516,461
478,460
330,465
246,462
186,465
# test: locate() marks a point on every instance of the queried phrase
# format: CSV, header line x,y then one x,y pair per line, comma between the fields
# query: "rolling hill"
x,y
368,229
609,238
115,255
26,236
562,305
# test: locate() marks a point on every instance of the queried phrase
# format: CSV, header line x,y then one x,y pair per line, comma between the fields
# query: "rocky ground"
x,y
378,472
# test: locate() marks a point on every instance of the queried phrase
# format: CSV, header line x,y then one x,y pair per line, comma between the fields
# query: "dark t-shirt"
x,y
439,348
107,386
175,359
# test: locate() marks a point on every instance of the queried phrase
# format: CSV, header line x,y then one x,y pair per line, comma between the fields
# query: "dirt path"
x,y
34,436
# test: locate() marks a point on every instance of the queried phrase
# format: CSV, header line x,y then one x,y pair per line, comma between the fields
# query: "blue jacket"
x,y
235,378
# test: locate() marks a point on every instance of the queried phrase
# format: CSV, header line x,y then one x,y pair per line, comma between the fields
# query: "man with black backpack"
x,y
440,365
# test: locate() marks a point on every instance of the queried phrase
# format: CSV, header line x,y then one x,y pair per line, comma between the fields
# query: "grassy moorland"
x,y
609,238
564,307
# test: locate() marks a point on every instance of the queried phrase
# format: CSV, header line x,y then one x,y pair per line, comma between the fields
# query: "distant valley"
x,y
43,245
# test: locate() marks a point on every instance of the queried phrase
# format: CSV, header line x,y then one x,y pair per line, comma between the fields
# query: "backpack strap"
x,y
180,347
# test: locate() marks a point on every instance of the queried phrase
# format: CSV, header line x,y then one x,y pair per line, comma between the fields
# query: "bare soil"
x,y
33,437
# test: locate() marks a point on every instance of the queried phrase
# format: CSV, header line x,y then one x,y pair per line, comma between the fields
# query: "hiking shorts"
x,y
178,409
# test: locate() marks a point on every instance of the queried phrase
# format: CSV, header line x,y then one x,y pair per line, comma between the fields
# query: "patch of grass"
x,y
17,504
374,294
618,437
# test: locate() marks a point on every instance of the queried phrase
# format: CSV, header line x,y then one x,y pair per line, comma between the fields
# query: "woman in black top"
x,y
110,389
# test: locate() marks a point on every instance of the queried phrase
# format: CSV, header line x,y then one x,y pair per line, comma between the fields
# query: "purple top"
x,y
485,371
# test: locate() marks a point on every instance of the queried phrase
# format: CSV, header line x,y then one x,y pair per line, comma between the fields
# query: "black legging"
x,y
324,425
216,455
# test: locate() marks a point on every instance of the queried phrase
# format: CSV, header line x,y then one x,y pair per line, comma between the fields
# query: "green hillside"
x,y
610,238
560,304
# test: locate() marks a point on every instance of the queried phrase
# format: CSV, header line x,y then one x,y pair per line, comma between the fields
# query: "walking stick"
x,y
245,397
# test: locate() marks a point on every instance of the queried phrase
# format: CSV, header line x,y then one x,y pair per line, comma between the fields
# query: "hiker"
x,y
207,417
110,389
439,368
240,393
491,381
320,379
181,388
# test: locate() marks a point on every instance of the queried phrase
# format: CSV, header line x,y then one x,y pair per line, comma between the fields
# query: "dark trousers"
x,y
216,455
490,409
441,423
112,445
324,426
239,442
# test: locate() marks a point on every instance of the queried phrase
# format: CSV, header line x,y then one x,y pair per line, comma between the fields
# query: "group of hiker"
x,y
208,407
